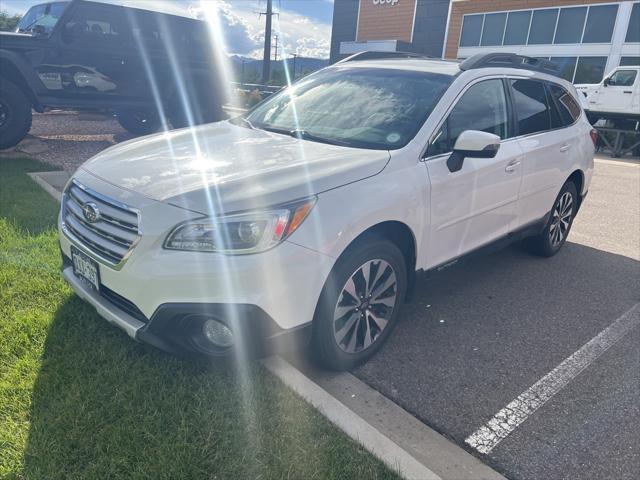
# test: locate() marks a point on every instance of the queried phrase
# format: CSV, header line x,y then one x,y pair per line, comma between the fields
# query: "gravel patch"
x,y
65,140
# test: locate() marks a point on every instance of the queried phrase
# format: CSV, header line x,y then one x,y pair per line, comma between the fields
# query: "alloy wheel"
x,y
365,306
561,219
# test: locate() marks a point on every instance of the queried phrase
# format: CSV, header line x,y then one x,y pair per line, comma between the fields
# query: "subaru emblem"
x,y
91,212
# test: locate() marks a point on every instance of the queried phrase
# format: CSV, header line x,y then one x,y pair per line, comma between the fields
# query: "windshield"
x,y
45,15
355,106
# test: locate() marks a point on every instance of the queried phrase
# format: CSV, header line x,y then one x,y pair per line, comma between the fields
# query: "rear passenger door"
x,y
545,113
477,204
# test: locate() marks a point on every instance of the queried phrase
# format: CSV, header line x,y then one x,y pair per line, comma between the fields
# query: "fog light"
x,y
217,333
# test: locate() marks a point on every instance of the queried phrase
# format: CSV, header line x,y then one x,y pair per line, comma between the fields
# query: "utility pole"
x,y
266,57
295,56
275,48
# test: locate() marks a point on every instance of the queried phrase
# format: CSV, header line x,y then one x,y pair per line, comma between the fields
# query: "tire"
x,y
139,122
340,338
15,114
556,231
208,111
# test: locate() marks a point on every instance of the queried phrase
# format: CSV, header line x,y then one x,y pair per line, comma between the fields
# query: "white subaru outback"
x,y
308,217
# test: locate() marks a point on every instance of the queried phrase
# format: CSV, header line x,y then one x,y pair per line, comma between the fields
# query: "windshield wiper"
x,y
304,135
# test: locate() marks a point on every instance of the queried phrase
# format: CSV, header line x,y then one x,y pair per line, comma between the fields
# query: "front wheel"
x,y
555,233
15,114
139,122
359,304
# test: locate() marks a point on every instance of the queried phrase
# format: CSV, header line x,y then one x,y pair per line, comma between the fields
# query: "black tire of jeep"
x,y
324,345
541,244
15,108
139,122
207,112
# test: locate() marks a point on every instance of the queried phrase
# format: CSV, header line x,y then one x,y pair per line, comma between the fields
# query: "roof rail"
x,y
509,60
374,55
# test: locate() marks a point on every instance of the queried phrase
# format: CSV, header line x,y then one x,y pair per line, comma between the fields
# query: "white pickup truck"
x,y
616,98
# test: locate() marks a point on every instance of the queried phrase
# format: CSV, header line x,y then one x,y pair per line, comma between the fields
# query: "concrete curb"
x,y
52,182
337,413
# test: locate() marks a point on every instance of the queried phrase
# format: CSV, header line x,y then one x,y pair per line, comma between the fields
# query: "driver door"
x,y
477,204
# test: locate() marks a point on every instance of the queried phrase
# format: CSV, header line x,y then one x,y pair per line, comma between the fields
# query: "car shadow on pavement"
x,y
480,333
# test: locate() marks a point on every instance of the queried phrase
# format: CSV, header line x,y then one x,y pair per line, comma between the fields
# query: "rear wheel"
x,y
555,233
359,305
139,122
15,114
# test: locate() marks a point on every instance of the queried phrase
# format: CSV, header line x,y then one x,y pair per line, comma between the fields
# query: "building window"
x,y
493,29
570,25
590,69
471,31
600,22
543,26
567,66
633,30
517,28
630,61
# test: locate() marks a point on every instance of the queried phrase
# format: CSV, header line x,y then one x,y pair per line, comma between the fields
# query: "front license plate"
x,y
85,268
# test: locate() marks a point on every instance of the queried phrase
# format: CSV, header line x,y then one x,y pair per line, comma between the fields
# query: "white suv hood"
x,y
221,167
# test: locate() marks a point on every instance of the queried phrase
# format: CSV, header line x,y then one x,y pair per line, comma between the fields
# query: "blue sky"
x,y
304,26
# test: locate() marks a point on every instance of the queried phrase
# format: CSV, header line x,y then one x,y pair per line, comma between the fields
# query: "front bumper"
x,y
169,328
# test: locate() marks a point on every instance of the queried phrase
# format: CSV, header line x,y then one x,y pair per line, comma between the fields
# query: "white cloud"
x,y
244,31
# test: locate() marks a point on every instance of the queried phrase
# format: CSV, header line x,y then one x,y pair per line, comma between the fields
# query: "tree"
x,y
8,22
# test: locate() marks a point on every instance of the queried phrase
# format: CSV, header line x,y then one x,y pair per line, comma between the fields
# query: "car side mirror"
x,y
607,82
39,31
473,144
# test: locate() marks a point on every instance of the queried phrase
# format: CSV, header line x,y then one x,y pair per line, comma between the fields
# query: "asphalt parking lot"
x,y
480,333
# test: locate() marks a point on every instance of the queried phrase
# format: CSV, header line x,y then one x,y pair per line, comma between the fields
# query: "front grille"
x,y
111,235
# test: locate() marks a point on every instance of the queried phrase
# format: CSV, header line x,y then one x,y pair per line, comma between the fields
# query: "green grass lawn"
x,y
79,399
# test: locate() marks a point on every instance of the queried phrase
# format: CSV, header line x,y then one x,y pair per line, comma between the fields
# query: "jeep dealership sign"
x,y
386,20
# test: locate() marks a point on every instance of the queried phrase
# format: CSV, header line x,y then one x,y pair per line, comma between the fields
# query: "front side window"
x,y
97,25
482,107
46,16
623,78
531,106
375,108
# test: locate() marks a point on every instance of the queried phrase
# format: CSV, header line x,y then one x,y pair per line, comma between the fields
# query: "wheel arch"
x,y
577,177
10,71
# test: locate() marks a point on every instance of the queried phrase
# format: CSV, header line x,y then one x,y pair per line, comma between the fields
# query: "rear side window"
x,y
566,107
531,105
482,107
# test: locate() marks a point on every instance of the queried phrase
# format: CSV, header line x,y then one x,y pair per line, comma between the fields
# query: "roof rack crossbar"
x,y
510,60
376,55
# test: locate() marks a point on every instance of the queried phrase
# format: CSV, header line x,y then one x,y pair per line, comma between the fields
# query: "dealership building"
x,y
586,38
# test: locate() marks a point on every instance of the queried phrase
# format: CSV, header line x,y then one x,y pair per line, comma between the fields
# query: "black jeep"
x,y
147,67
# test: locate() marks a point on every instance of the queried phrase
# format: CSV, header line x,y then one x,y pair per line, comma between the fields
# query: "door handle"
x,y
565,148
512,166
627,91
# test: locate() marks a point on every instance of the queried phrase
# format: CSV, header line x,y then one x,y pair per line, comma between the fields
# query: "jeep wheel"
x,y
139,122
15,114
359,304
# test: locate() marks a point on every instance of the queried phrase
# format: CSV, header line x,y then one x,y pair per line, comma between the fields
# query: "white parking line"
x,y
510,417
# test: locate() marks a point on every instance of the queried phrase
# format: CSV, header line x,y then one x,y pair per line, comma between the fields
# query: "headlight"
x,y
243,233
